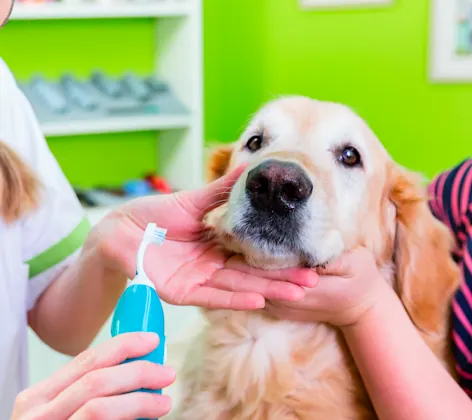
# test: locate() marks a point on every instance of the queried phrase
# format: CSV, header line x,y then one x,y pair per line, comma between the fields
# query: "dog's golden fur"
x,y
249,366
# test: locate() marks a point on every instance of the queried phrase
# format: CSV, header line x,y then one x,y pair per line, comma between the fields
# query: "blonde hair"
x,y
19,188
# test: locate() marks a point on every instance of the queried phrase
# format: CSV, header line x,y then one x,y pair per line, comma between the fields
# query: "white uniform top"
x,y
34,249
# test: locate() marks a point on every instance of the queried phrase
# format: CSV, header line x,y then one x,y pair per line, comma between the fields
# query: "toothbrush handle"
x,y
140,310
156,356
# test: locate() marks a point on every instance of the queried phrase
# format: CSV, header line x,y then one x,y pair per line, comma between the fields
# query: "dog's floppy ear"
x,y
219,161
426,274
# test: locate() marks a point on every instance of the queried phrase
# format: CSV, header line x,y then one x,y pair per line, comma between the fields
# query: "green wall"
x,y
234,43
52,47
377,62
373,60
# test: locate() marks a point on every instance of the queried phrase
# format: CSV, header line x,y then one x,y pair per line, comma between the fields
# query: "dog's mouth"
x,y
275,240
269,232
269,217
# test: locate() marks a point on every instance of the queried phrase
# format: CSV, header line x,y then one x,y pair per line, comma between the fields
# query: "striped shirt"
x,y
451,202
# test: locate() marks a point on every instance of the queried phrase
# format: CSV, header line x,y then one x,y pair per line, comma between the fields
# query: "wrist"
x,y
382,301
106,247
96,253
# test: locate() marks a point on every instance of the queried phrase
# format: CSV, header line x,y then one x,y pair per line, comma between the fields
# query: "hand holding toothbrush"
x,y
188,270
95,385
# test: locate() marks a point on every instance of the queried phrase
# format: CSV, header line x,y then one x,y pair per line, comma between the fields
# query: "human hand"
x,y
347,289
188,269
95,385
5,11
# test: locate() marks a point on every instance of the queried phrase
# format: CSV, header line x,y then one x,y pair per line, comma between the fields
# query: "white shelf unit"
x,y
70,10
178,61
116,125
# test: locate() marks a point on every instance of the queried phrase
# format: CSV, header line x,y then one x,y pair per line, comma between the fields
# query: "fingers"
x,y
212,298
346,264
110,353
301,276
110,381
339,267
136,405
240,282
203,200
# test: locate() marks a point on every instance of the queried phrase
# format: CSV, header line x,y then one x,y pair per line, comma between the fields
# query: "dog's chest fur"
x,y
247,366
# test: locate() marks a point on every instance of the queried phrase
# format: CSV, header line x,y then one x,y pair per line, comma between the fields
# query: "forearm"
x,y
403,377
72,310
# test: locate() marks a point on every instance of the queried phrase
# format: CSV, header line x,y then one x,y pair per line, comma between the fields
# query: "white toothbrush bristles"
x,y
152,235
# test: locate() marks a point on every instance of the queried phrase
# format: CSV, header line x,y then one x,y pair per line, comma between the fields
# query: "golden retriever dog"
x,y
318,183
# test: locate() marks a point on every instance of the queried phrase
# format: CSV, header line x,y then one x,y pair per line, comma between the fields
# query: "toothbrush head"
x,y
154,234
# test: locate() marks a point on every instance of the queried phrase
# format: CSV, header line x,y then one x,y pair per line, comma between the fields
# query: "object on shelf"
x,y
107,85
50,95
96,197
107,197
137,188
101,97
137,88
104,197
78,93
157,86
159,184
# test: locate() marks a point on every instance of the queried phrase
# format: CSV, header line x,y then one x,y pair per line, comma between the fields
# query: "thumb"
x,y
348,263
340,267
201,201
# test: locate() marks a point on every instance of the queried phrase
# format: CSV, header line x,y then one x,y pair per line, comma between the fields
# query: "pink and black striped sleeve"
x,y
451,202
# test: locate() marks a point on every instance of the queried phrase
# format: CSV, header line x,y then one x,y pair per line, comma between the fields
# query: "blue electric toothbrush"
x,y
139,309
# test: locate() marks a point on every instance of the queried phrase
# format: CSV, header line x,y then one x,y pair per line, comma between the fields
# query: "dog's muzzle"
x,y
278,187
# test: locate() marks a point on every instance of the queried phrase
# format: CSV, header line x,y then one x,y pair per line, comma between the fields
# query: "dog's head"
x,y
319,182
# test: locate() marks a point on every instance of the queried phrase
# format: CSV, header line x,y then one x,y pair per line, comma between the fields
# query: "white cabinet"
x,y
178,61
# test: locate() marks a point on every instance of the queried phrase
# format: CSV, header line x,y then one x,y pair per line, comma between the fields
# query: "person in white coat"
x,y
63,280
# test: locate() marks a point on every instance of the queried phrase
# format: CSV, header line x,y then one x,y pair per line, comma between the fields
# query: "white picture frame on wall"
x,y
328,4
451,41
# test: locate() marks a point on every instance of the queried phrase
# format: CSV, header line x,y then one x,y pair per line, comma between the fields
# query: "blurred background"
x,y
373,59
223,59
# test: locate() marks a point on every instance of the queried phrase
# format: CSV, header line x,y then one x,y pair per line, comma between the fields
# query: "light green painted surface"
x,y
80,46
51,47
234,42
373,60
106,159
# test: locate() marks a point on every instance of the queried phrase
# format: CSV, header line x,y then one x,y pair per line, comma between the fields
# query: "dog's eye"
x,y
254,143
349,156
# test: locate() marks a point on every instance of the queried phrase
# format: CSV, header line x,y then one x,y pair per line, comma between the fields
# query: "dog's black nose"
x,y
278,186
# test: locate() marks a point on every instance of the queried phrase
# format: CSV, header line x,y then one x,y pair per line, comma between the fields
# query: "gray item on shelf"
x,y
50,94
126,106
137,88
156,85
79,93
104,198
107,85
108,199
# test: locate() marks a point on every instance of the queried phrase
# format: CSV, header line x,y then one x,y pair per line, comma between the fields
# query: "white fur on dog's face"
x,y
312,135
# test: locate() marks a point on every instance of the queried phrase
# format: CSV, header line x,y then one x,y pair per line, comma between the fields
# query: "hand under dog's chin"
x,y
267,256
